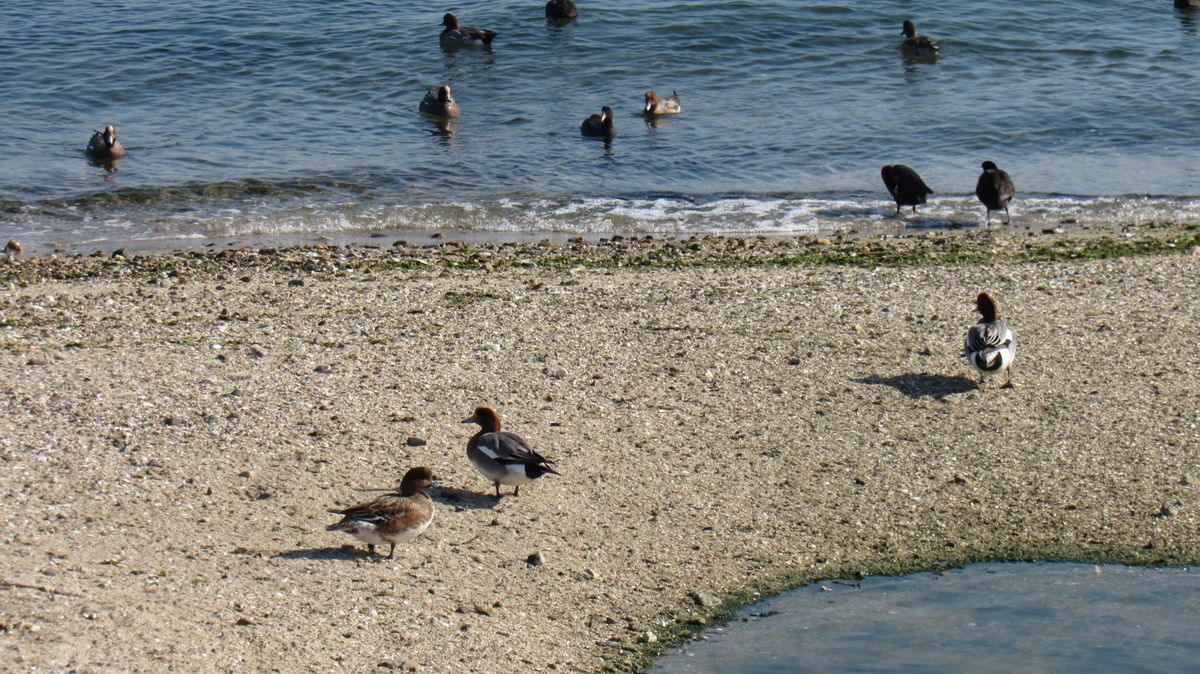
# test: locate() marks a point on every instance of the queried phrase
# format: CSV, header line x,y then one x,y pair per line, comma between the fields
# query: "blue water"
x,y
275,118
983,618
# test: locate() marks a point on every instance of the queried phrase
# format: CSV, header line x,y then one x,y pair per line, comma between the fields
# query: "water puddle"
x,y
981,618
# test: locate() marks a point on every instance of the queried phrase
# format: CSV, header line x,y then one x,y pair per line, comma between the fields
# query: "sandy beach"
x,y
730,418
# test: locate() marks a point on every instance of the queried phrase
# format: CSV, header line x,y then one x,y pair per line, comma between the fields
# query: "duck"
x,y
466,36
989,346
917,45
503,457
905,186
661,106
439,103
1187,4
995,189
104,144
561,10
599,126
12,249
392,518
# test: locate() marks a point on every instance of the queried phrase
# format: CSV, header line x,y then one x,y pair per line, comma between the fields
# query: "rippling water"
x,y
276,118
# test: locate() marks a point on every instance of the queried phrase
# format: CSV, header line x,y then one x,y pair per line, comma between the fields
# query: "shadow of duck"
x,y
918,386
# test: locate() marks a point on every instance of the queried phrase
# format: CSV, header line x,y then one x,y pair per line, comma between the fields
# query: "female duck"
x,y
661,106
104,145
439,102
599,126
466,36
503,457
393,518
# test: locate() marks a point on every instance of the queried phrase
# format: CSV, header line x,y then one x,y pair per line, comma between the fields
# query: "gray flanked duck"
x,y
464,36
503,457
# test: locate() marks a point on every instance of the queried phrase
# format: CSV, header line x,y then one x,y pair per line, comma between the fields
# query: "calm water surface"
x,y
983,618
273,118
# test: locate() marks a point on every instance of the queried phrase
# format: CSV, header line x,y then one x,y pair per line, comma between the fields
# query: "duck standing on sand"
x,y
905,186
439,103
503,457
917,45
989,345
12,249
561,10
393,518
104,144
599,126
466,36
995,189
661,106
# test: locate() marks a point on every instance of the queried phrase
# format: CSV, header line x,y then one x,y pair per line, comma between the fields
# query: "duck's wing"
x,y
482,34
375,512
983,336
508,448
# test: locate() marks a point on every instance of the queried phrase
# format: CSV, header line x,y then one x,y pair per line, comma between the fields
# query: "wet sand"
x,y
729,418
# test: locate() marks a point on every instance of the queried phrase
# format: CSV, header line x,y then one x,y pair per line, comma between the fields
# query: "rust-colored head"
x,y
987,308
487,419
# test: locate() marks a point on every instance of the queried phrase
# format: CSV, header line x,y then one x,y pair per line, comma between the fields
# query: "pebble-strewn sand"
x,y
169,445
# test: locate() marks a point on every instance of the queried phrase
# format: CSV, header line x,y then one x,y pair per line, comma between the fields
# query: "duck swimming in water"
x,y
104,145
661,106
466,36
917,45
439,103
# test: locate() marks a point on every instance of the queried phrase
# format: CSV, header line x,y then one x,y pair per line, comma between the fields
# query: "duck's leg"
x,y
516,489
370,548
1008,384
497,483
392,551
1007,217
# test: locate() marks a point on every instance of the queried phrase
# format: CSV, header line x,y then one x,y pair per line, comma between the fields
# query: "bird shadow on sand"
x,y
342,553
918,386
461,498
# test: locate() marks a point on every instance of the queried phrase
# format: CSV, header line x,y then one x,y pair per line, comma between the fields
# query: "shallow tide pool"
x,y
1047,617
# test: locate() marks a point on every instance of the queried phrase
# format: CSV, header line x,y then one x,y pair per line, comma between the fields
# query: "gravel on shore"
x,y
730,418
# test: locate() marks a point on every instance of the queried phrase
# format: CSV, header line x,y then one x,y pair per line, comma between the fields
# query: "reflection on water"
x,y
981,618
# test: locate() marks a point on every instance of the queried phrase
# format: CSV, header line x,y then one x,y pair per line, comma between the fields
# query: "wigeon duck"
x,y
661,106
560,10
466,36
392,518
917,45
995,189
1187,4
104,144
503,457
439,103
599,126
989,345
12,249
905,186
